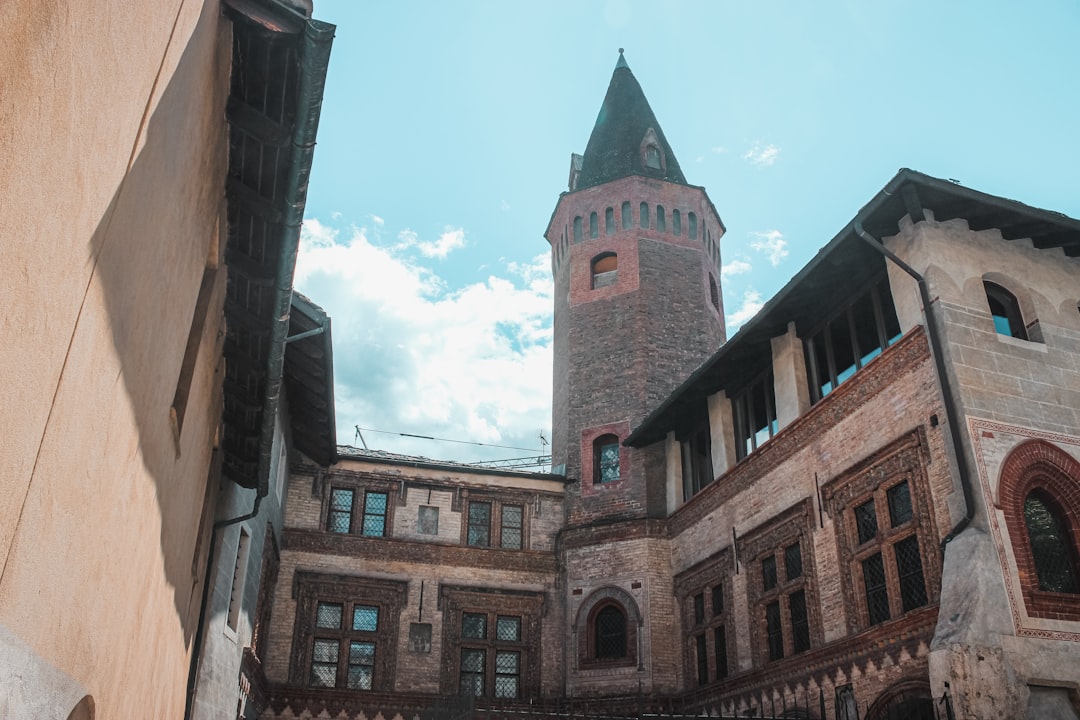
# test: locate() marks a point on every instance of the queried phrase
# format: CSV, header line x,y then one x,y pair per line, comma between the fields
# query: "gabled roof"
x,y
845,260
614,149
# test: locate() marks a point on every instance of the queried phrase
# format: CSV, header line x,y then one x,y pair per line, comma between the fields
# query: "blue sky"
x,y
446,136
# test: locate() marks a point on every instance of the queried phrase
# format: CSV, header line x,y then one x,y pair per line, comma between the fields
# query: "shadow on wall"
x,y
155,236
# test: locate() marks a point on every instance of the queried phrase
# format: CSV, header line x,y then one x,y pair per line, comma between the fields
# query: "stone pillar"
x,y
722,433
789,377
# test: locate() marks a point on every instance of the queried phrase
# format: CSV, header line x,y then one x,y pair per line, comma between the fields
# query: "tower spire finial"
x,y
622,61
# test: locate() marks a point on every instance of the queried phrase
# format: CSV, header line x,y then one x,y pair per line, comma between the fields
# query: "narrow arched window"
x,y
652,157
626,220
1051,546
714,293
577,229
1005,310
605,270
609,221
610,633
692,219
594,226
605,459
661,219
643,215
676,222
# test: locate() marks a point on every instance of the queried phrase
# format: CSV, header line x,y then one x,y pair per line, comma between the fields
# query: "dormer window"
x,y
652,157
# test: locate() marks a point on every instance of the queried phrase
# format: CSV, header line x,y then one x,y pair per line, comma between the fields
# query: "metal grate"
x,y
508,628
361,665
800,625
328,615
507,666
877,595
899,504
324,660
774,631
610,633
768,573
793,561
909,568
866,521
365,618
1049,547
472,672
340,516
474,626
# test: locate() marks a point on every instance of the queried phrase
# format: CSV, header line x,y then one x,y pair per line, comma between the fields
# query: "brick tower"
x,y
636,259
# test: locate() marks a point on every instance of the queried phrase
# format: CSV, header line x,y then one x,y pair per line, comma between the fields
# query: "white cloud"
x,y
772,243
374,218
414,355
751,303
759,155
735,267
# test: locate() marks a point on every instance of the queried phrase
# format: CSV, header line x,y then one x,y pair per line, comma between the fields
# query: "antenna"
x,y
361,436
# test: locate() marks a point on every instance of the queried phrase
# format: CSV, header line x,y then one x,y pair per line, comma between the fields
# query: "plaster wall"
x,y
115,159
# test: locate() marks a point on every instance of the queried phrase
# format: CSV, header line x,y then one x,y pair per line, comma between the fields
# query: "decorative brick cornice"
x,y
889,368
426,553
588,535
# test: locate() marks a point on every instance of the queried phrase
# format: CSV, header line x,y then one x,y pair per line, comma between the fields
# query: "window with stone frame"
x,y
886,533
345,633
607,630
491,642
357,509
495,522
853,335
1005,310
606,459
778,557
703,593
1039,495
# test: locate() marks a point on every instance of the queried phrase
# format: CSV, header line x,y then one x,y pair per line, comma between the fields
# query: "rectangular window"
x,y
506,646
510,532
239,579
800,624
866,521
361,665
508,628
768,573
339,519
374,523
697,461
909,570
717,600
851,338
754,414
608,462
877,594
365,618
702,661
328,616
474,626
793,561
507,673
699,608
899,504
609,221
472,672
324,661
774,631
720,648
479,524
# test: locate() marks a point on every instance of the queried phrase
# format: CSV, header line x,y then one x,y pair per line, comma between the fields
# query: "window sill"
x,y
1018,342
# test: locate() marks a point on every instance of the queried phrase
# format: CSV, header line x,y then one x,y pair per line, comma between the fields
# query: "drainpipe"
x,y
933,333
314,58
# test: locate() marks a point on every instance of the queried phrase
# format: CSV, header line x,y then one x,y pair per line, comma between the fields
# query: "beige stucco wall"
x,y
115,143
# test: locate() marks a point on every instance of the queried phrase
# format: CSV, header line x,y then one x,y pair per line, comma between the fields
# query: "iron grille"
x,y
877,595
1049,546
909,568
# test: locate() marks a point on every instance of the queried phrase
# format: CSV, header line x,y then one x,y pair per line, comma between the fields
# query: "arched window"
x,y
605,459
1005,310
692,219
714,293
605,270
609,221
1039,494
643,215
577,229
1051,548
594,226
609,629
652,157
676,222
661,220
626,220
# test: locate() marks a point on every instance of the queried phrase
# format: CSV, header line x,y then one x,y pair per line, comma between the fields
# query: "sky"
x,y
446,135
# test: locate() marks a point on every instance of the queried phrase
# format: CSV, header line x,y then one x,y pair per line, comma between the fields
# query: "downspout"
x,y
933,333
313,59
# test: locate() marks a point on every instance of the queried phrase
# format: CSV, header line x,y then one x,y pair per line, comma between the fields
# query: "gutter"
x,y
933,333
313,59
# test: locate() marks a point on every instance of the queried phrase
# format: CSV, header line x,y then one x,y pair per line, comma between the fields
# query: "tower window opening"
x,y
627,222
605,270
676,222
714,292
610,628
1005,310
609,221
661,219
692,219
652,157
643,215
577,229
594,226
605,459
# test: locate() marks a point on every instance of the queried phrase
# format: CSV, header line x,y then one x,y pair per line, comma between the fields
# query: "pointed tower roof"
x,y
617,146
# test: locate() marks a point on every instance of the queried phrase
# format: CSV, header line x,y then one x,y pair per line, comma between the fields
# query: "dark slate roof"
x,y
348,452
309,381
847,259
614,149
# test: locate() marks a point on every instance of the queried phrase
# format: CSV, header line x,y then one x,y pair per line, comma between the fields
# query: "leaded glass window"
x,y
511,526
479,524
702,660
720,649
324,662
774,631
866,521
472,672
699,608
800,623
768,573
899,504
909,570
1050,542
508,628
607,459
365,618
328,615
717,599
610,633
793,561
474,626
339,518
507,673
361,665
877,594
374,524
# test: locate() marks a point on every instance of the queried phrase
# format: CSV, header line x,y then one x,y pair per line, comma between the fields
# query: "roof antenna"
x,y
361,436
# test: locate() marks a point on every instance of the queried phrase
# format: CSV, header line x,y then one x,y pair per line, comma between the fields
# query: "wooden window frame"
x,y
496,522
357,512
711,581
